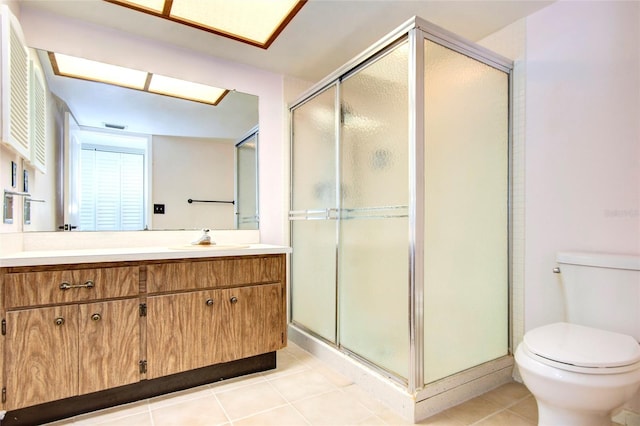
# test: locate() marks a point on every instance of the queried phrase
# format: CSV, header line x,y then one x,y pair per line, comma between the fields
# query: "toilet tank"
x,y
602,291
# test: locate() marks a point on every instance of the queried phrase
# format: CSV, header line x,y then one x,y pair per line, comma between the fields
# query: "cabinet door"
x,y
109,344
230,332
253,321
182,332
15,87
38,114
41,355
261,319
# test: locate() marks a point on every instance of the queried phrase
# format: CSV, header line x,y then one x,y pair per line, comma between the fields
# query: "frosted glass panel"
x,y
373,258
313,261
374,278
374,152
313,276
466,213
314,153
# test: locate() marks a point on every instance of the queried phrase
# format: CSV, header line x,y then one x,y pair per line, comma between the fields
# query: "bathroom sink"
x,y
209,247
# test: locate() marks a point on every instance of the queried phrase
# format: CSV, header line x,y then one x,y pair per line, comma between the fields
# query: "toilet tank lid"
x,y
602,260
582,346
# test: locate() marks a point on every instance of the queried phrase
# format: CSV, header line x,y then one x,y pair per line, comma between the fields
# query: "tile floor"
x,y
302,391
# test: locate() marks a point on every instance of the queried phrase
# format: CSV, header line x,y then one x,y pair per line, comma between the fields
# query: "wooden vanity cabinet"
x,y
63,346
87,336
242,314
195,329
69,350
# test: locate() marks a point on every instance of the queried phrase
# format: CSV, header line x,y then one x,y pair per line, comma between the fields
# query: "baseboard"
x,y
69,407
434,398
382,388
461,387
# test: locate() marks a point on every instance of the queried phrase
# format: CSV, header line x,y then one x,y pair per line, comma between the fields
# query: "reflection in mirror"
x,y
247,181
134,159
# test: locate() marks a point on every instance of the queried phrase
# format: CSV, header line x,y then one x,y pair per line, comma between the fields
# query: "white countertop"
x,y
54,257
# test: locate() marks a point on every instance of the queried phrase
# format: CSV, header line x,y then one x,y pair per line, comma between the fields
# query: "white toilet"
x,y
580,371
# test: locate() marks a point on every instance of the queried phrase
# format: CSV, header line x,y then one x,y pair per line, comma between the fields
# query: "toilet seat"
x,y
582,349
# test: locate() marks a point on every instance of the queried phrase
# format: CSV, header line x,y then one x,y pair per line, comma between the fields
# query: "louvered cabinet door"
x,y
109,344
41,358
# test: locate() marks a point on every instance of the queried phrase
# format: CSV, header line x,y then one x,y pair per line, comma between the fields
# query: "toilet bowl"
x,y
578,374
583,369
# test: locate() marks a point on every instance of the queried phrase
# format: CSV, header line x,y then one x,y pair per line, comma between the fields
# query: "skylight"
x,y
256,22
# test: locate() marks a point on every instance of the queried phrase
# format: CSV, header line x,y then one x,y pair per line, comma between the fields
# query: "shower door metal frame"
x,y
416,211
254,133
417,30
395,211
370,56
320,214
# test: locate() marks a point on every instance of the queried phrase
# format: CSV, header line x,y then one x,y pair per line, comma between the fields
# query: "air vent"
x,y
115,126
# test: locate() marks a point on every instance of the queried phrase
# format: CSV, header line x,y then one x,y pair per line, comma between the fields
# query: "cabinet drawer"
x,y
47,287
214,273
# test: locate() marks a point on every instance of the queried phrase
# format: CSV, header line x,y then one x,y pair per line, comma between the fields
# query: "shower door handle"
x,y
318,214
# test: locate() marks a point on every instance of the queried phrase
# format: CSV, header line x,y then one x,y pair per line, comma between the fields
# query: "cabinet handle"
x,y
66,286
233,300
209,302
58,321
96,317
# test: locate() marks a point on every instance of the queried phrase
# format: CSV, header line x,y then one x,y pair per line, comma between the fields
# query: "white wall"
x,y
201,169
47,31
6,157
582,141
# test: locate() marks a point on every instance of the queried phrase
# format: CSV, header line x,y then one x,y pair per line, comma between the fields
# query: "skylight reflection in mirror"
x,y
85,69
71,66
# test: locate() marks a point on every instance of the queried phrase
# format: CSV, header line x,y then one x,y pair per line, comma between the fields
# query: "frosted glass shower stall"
x,y
400,207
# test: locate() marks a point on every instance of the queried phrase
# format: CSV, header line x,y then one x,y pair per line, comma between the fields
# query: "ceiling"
x,y
334,30
324,35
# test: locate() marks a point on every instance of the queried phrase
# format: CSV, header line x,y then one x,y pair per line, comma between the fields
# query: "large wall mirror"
x,y
131,160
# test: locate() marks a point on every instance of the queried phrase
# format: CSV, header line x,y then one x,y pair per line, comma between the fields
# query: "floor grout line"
x,y
224,410
298,362
150,412
257,413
